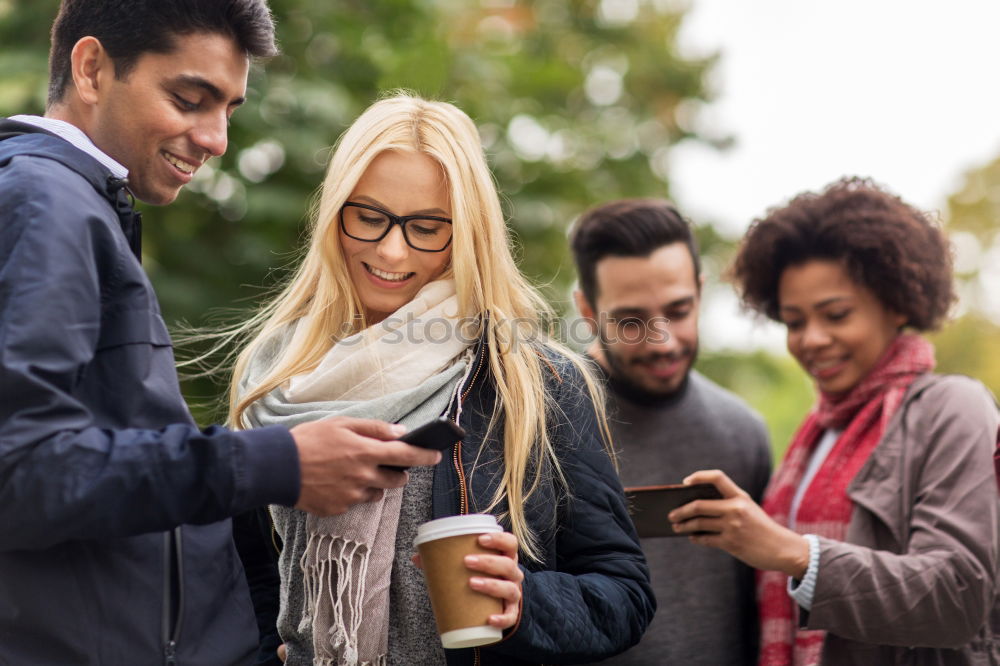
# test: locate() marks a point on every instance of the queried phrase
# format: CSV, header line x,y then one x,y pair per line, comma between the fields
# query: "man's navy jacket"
x,y
100,461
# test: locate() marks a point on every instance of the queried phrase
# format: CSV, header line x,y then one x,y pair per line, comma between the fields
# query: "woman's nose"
x,y
393,247
815,335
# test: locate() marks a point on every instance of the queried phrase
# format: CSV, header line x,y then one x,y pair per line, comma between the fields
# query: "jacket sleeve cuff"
x,y
802,591
270,471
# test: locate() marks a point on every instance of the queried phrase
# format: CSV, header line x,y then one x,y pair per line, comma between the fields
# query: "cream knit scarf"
x,y
406,369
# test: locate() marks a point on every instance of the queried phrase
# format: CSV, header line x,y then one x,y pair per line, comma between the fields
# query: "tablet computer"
x,y
649,505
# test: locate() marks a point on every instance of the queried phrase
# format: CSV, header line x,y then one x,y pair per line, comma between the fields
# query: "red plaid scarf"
x,y
825,509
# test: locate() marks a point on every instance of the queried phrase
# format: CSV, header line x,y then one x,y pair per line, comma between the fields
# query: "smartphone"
x,y
649,505
438,434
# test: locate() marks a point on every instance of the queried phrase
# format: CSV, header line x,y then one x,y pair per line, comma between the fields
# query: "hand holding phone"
x,y
438,434
649,505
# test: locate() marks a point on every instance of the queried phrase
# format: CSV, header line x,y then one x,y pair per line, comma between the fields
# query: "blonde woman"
x,y
408,305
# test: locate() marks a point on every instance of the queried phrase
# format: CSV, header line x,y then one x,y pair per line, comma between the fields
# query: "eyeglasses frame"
x,y
401,220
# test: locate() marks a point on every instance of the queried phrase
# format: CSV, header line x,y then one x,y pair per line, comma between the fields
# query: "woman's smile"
x,y
386,276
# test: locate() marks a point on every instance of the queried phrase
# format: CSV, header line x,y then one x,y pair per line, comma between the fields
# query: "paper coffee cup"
x,y
461,612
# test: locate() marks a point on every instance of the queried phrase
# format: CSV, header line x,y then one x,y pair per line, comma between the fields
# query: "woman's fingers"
x,y
505,590
735,515
742,528
717,478
734,497
702,508
698,524
501,577
505,542
499,566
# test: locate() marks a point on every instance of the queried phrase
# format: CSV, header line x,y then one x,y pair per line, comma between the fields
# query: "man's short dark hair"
x,y
627,228
129,28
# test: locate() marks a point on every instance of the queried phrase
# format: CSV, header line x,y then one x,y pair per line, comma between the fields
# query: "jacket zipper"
x,y
475,375
274,532
463,500
463,503
173,581
463,507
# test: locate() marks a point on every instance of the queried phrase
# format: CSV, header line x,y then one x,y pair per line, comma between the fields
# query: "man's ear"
x,y
586,311
91,68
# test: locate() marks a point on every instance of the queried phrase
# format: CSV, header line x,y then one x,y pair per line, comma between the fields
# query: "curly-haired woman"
x,y
877,538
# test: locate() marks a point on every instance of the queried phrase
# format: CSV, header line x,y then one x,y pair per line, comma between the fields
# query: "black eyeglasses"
x,y
426,233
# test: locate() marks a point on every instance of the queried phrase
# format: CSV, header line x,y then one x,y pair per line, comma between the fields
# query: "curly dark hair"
x,y
885,244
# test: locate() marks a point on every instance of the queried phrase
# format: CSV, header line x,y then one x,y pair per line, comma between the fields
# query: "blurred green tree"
x,y
971,343
577,101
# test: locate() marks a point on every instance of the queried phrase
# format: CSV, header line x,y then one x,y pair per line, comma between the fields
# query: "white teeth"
x,y
180,164
393,277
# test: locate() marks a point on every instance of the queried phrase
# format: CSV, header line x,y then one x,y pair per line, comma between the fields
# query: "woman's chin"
x,y
837,385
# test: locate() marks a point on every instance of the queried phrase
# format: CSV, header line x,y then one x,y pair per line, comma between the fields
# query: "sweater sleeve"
x,y
597,601
63,475
939,589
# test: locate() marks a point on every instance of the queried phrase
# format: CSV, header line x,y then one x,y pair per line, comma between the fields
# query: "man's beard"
x,y
623,383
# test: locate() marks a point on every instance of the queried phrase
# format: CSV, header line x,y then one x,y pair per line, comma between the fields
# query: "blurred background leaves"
x,y
577,101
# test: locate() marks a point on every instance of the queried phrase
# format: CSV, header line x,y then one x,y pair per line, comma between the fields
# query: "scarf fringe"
x,y
336,568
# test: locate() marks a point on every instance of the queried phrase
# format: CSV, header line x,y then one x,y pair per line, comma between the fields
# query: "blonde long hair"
x,y
489,287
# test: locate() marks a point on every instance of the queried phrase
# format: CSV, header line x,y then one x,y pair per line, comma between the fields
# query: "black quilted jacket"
x,y
589,597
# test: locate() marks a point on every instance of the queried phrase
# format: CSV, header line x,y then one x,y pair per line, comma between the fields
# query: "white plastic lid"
x,y
442,528
470,637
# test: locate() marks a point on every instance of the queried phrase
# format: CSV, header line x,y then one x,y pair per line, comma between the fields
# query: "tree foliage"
x,y
577,102
971,344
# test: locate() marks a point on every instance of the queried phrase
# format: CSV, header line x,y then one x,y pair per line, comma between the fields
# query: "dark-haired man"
x,y
115,543
640,288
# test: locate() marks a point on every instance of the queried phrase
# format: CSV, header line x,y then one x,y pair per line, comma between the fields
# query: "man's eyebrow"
x,y
680,302
194,81
627,312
